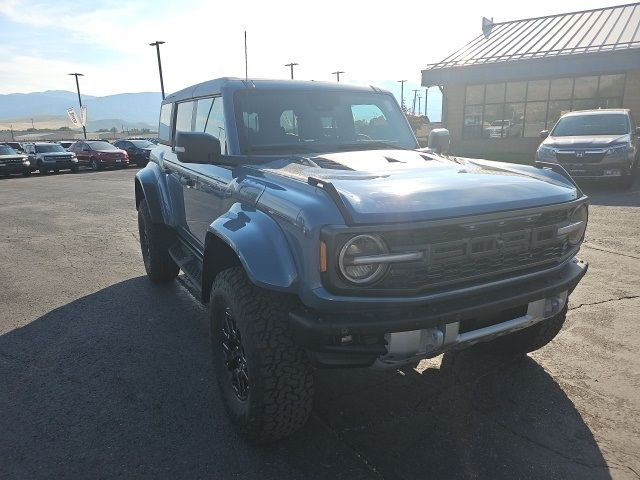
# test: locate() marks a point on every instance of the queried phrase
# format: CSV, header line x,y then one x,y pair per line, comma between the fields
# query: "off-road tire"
x,y
280,378
528,339
155,240
43,170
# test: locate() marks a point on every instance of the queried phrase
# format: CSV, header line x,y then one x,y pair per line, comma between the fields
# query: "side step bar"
x,y
190,262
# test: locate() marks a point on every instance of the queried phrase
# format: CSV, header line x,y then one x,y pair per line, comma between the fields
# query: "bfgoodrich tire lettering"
x,y
279,396
155,240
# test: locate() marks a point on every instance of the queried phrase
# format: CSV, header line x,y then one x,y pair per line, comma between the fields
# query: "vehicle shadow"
x,y
607,194
119,383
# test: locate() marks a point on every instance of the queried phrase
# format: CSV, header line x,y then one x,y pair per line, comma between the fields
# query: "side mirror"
x,y
197,147
439,140
544,134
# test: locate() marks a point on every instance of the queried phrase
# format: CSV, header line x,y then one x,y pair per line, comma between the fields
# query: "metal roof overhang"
x,y
532,68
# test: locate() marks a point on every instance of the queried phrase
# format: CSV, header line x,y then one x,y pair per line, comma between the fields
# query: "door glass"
x,y
216,125
164,128
203,108
183,117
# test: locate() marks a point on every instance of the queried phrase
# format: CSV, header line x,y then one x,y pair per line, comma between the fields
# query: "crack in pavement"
x,y
602,249
627,297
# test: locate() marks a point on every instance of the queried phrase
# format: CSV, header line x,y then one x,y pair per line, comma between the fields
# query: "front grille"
x,y
579,157
464,253
11,160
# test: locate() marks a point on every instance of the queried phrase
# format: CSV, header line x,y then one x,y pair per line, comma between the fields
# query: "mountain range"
x,y
124,108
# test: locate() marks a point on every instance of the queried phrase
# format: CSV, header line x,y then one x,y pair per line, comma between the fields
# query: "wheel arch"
x,y
149,185
253,240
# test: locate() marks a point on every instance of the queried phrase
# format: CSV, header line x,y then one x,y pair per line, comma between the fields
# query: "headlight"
x,y
618,149
577,225
26,162
546,154
354,263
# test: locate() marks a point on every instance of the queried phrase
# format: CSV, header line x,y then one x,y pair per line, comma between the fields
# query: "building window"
x,y
517,109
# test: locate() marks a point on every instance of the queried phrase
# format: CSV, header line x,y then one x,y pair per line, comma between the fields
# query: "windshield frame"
x,y
554,132
391,113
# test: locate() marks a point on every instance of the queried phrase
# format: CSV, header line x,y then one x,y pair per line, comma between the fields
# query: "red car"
x,y
98,154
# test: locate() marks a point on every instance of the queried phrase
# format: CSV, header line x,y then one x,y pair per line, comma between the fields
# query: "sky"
x,y
108,40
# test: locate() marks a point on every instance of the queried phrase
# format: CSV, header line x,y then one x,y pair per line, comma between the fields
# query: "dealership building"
x,y
518,77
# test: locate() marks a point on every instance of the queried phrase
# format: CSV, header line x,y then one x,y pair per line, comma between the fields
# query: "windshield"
x,y
594,124
141,143
102,146
4,150
288,122
54,147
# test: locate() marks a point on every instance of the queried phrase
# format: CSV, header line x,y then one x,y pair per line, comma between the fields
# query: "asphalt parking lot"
x,y
105,375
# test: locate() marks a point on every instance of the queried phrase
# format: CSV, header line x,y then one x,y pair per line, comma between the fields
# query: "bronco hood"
x,y
397,185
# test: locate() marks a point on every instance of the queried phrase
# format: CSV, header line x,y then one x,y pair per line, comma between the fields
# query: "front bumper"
x,y
597,170
324,334
9,168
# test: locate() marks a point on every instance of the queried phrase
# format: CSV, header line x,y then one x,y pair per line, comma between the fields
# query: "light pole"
x,y
291,65
337,74
84,130
401,82
157,44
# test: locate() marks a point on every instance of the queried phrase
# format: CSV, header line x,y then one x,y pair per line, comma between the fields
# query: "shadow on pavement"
x,y
610,194
120,384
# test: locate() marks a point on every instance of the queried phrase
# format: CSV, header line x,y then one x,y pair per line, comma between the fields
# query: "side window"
x,y
215,124
184,116
164,128
203,109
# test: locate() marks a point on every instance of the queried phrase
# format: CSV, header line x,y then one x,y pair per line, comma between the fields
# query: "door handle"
x,y
187,182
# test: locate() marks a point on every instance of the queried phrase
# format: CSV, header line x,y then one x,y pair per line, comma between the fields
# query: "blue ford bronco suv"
x,y
320,235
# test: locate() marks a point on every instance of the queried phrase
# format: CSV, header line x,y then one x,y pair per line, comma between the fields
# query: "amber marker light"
x,y
323,257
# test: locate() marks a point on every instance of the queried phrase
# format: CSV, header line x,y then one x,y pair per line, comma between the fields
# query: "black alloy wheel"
x,y
234,356
93,164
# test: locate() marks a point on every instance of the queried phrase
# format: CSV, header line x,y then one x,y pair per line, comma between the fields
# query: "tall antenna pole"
x,y
157,45
246,61
291,65
337,74
84,130
401,82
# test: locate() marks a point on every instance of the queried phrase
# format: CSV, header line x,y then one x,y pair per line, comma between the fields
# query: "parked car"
x,y
138,150
13,162
98,154
66,144
600,144
47,157
17,146
319,234
504,129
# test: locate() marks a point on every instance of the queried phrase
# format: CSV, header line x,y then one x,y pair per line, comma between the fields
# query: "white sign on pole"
x,y
83,115
73,117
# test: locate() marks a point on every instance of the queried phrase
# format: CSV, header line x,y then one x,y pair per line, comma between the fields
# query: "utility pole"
x,y
419,106
157,44
415,92
426,97
401,82
84,130
13,139
291,65
33,127
337,74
